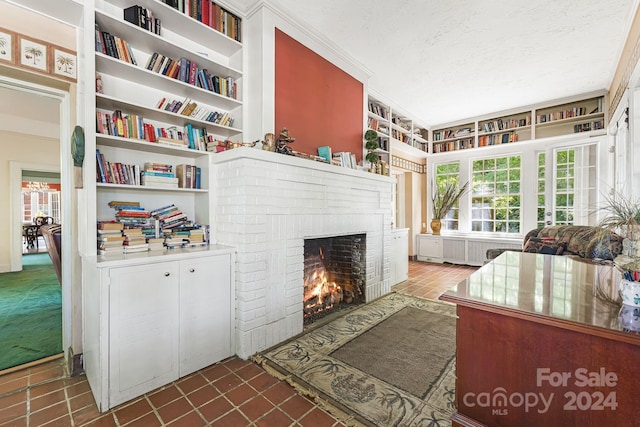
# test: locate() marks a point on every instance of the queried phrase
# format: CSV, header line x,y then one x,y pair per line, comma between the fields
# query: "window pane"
x,y
447,173
496,195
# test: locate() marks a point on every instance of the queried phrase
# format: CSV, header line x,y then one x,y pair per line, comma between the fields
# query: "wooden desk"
x,y
531,328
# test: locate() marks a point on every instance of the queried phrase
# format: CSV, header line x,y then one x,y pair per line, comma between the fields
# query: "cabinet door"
x,y
402,257
429,248
205,312
143,321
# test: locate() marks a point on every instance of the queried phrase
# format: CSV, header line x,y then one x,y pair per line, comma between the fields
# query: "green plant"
x,y
371,144
445,197
622,214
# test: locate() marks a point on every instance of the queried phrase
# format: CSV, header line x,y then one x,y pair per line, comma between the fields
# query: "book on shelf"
x,y
159,181
116,172
164,209
143,18
189,176
135,249
111,250
210,14
110,237
378,110
113,46
102,244
325,153
157,173
346,159
189,72
110,226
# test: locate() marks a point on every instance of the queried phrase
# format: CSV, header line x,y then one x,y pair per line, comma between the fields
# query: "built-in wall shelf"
x,y
582,115
397,132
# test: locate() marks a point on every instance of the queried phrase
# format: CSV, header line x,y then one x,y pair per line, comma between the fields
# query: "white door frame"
x,y
66,181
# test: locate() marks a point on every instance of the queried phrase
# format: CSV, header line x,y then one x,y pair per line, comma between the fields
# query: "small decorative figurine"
x,y
282,141
269,143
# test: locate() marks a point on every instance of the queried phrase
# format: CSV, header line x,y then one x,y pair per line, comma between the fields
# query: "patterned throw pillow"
x,y
544,246
605,247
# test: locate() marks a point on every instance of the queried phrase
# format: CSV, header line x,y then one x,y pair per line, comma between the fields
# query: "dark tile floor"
x,y
231,393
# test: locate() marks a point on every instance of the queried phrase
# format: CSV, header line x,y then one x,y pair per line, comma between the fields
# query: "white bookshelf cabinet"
x,y
150,320
396,131
132,89
186,295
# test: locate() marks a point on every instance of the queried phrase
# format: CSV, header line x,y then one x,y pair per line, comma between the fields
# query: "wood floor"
x,y
230,393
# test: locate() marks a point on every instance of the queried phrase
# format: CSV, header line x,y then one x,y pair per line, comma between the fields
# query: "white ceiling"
x,y
26,112
447,60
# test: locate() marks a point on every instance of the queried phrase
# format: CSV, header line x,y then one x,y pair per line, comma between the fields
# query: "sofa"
x,y
582,241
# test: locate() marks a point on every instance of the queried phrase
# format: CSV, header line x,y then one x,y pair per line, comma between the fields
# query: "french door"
x,y
568,184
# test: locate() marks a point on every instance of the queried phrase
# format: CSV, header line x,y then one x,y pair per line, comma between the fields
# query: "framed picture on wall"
x,y
7,40
64,63
33,53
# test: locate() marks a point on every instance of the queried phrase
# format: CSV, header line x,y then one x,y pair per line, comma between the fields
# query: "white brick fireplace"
x,y
266,204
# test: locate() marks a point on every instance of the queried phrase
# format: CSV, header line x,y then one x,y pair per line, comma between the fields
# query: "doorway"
x,y
37,120
40,203
568,184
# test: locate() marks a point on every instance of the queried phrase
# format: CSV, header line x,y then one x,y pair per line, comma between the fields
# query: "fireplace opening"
x,y
334,275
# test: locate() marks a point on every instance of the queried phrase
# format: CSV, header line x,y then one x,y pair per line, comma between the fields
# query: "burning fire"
x,y
317,289
321,294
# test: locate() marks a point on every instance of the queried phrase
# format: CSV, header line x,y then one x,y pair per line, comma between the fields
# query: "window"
x,y
564,189
495,195
541,189
38,199
447,173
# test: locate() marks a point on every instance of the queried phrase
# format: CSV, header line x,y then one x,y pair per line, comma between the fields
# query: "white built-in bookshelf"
x,y
177,303
142,92
577,116
397,132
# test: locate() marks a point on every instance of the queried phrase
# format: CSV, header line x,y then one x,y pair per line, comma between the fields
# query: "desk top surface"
x,y
550,289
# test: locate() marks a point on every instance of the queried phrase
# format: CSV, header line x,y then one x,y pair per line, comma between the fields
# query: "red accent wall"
x,y
318,102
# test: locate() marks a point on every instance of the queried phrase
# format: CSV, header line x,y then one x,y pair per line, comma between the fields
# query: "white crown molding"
x,y
66,11
318,42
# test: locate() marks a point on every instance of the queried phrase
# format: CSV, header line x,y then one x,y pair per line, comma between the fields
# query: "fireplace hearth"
x,y
334,275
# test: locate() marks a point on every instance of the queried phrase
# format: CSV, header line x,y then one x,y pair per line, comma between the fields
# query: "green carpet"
x,y
30,312
339,366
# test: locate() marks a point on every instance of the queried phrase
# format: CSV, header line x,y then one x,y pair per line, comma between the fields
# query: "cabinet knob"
x,y
191,270
167,274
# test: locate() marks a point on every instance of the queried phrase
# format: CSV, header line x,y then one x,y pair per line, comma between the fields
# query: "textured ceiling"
x,y
443,61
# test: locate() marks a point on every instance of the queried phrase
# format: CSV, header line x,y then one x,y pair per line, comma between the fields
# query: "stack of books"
x,y
173,241
155,243
196,237
169,217
158,175
130,213
110,238
134,240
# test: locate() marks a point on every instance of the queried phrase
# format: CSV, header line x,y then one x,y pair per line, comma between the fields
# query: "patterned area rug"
x,y
372,392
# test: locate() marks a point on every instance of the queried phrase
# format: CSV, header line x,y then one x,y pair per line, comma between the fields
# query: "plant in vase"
x,y
371,144
444,198
622,216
